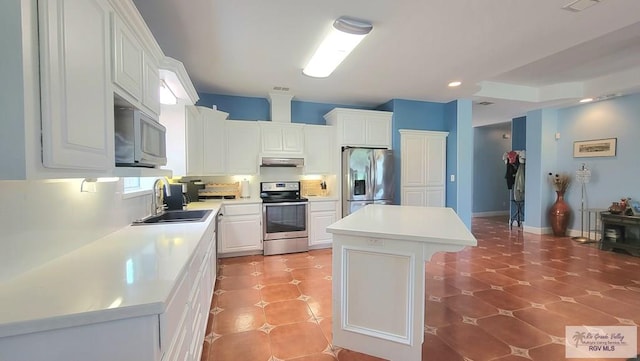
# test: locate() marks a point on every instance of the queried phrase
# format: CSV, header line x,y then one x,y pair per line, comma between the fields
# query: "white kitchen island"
x,y
379,255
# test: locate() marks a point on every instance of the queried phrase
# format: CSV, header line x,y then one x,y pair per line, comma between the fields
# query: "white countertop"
x,y
417,224
128,273
321,198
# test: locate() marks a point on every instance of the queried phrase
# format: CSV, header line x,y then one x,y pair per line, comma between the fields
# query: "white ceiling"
x,y
520,55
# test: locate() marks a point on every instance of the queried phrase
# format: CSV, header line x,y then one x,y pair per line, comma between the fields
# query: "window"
x,y
137,186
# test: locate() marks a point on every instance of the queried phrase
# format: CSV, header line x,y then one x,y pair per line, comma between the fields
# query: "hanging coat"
x,y
518,184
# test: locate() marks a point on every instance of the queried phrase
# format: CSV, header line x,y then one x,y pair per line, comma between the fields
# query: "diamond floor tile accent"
x,y
507,299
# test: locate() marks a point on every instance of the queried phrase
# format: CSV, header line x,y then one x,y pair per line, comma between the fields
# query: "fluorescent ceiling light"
x,y
345,35
586,100
455,84
579,5
166,95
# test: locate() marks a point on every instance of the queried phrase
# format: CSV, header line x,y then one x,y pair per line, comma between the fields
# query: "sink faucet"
x,y
157,202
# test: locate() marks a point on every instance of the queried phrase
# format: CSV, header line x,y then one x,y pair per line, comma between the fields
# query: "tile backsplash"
x,y
43,220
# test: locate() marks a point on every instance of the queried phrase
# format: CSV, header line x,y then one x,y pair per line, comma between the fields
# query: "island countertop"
x,y
408,223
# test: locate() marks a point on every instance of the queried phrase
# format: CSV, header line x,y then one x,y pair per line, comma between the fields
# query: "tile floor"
x,y
507,299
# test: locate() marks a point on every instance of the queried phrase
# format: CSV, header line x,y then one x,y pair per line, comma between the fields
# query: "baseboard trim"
x,y
536,230
490,214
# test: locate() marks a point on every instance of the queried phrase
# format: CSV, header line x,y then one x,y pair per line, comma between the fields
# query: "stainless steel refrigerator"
x,y
367,178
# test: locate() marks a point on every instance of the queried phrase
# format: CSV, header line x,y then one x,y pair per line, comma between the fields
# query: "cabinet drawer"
x,y
172,318
322,206
198,257
241,209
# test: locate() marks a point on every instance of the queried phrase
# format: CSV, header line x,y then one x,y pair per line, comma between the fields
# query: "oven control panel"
x,y
279,186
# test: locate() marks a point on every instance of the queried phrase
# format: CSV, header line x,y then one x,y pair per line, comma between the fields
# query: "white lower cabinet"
x,y
240,228
177,334
190,305
321,215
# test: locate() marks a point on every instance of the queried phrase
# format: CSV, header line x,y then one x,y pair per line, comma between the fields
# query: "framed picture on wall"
x,y
595,148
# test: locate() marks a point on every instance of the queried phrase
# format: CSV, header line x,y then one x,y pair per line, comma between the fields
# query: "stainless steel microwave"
x,y
140,141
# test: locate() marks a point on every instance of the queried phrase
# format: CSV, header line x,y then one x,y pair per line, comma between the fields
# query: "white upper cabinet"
x,y
361,128
128,59
242,147
135,70
205,141
194,141
59,59
151,85
213,134
75,75
318,149
282,138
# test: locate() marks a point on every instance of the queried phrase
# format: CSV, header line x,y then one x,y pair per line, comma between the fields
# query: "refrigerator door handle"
x,y
371,176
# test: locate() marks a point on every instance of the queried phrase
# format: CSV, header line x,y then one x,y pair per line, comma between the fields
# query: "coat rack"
x,y
515,161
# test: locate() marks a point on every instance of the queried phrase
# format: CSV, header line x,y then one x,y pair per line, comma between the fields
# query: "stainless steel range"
x,y
284,215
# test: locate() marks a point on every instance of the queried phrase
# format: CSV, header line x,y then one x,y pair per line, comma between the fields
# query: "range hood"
x,y
282,162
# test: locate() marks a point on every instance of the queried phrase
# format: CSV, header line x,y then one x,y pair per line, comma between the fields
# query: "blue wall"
x,y
519,133
239,108
458,119
612,178
249,108
490,193
541,160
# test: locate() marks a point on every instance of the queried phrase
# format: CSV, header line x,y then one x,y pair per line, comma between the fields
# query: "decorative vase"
x,y
559,215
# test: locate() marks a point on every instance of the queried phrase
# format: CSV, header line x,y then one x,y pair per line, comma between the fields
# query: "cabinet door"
x,y
271,138
423,168
318,149
127,59
281,138
435,197
414,163
436,161
76,94
292,139
240,233
243,146
378,132
151,88
195,146
213,143
414,196
318,223
353,130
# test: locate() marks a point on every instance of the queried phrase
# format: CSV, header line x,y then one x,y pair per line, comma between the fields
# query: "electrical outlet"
x,y
453,178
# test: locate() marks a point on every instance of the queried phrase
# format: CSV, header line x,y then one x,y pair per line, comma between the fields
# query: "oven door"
x,y
284,220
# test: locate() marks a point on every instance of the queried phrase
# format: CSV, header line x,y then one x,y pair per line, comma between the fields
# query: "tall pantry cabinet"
x,y
423,159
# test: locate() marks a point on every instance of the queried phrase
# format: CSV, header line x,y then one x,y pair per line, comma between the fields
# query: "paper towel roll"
x,y
244,189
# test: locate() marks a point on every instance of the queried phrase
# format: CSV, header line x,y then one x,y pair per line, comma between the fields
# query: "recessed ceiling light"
x,y
586,100
454,84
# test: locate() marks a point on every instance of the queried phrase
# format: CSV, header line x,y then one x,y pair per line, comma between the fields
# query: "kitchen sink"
x,y
176,217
